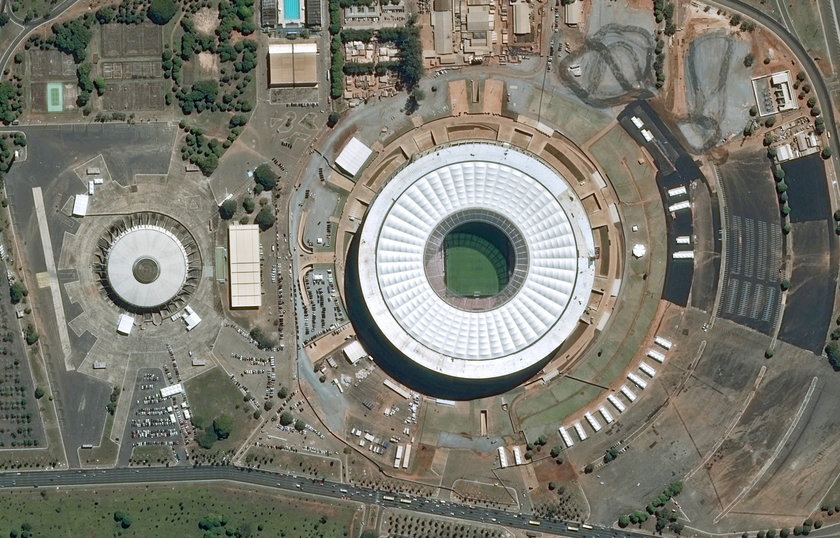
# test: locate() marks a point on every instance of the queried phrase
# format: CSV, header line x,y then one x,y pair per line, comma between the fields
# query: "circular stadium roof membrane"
x,y
148,263
553,270
147,266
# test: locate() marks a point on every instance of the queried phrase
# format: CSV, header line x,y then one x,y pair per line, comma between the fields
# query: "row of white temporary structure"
x,y
614,400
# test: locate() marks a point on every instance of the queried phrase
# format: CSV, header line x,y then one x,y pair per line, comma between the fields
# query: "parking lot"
x,y
324,312
751,292
150,420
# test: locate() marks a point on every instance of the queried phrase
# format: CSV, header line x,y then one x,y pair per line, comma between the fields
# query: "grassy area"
x,y
152,455
806,22
472,270
212,395
169,511
622,166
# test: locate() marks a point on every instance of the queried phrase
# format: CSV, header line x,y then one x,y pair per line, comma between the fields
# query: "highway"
x,y
147,475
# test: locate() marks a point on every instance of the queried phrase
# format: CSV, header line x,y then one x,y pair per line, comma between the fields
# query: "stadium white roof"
x,y
245,284
526,328
353,156
155,246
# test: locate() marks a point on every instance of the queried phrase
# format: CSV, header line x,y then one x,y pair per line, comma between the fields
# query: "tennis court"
x,y
474,266
55,97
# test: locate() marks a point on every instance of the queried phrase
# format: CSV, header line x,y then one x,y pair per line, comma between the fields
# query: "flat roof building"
x,y
521,18
80,205
353,352
573,13
244,262
293,65
354,155
125,324
442,31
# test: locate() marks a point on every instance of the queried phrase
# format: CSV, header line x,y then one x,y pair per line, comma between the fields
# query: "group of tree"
x,y
73,37
336,67
17,292
265,177
217,526
122,519
262,340
218,430
30,334
664,12
161,11
111,406
656,508
409,68
11,102
202,151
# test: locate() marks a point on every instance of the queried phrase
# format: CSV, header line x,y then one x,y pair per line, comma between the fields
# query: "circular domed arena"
x,y
148,263
473,266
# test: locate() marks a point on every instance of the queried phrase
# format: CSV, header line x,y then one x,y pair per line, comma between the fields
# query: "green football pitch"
x,y
473,266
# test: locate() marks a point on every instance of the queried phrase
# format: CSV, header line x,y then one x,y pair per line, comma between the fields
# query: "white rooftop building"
x,y
80,205
125,324
354,352
354,155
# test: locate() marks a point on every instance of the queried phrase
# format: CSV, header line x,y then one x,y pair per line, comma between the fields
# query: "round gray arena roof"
x,y
551,290
146,266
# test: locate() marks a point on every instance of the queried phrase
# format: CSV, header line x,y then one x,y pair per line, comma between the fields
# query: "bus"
x,y
586,526
571,528
534,522
405,501
388,497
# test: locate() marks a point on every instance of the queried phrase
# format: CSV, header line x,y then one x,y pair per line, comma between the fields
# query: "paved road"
x,y
297,484
28,27
808,65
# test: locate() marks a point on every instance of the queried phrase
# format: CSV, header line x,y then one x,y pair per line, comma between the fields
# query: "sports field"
x,y
55,97
473,266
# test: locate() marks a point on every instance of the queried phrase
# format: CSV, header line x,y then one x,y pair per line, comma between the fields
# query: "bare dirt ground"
x,y
209,64
206,20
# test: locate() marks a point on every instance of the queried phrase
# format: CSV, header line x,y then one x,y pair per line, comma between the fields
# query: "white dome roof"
x,y
526,327
166,259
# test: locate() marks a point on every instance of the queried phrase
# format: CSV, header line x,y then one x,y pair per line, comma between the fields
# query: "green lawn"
x,y
168,511
474,266
211,395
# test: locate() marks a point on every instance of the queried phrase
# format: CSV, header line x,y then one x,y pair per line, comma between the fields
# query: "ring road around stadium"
x,y
476,260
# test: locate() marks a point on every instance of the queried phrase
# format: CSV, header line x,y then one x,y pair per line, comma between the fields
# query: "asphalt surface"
x,y
295,484
675,168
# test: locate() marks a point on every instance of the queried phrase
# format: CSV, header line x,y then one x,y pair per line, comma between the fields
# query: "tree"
x,y
833,352
300,425
31,334
227,209
222,426
265,177
770,122
623,521
17,292
555,451
753,111
333,118
589,468
161,11
265,218
811,102
552,485
268,405
206,440
748,60
769,139
826,153
286,418
39,393
248,204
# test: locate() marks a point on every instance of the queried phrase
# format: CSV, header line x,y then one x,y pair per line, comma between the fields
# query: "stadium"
x,y
148,263
473,266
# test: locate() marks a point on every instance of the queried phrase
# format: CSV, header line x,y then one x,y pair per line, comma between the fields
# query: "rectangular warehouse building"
x,y
244,260
292,65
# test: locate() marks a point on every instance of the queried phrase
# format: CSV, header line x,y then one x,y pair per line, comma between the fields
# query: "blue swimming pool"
x,y
291,9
